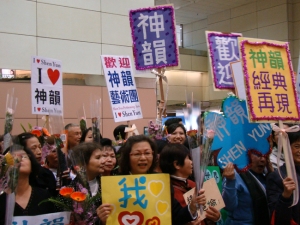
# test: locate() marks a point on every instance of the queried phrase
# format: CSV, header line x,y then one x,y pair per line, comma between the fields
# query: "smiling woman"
x,y
138,156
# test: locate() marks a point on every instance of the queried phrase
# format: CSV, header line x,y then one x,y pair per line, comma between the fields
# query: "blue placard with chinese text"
x,y
235,135
154,37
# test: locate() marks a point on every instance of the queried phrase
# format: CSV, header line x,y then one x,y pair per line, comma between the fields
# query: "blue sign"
x,y
235,135
154,37
223,49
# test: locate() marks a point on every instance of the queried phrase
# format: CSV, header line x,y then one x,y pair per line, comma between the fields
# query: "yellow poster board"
x,y
269,80
138,199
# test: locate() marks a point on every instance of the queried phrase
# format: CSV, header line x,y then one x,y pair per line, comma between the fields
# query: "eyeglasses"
x,y
139,155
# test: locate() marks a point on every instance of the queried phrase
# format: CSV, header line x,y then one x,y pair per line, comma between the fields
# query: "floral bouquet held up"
x,y
80,203
155,130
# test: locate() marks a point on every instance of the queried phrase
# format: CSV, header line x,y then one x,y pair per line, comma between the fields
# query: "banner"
x,y
153,33
46,86
269,80
223,49
60,218
138,199
235,135
122,92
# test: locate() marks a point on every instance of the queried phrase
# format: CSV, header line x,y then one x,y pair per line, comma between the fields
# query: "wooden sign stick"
x,y
161,106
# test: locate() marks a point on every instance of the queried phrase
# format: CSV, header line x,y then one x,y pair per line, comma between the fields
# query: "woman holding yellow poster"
x,y
138,160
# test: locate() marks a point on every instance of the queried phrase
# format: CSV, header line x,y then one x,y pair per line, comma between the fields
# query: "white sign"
x,y
46,86
238,78
121,88
59,218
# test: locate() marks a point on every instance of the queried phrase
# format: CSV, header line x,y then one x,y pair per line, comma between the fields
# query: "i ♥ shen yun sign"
x,y
46,86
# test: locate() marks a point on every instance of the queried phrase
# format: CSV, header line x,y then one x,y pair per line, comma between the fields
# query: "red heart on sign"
x,y
134,218
119,114
153,221
38,60
39,109
53,75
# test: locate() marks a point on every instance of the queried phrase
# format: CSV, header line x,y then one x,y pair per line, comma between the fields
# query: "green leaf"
x,y
23,128
57,202
29,125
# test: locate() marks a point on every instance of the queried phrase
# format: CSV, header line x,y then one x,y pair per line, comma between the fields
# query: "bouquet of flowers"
x,y
193,138
80,203
11,104
82,118
95,104
155,130
9,172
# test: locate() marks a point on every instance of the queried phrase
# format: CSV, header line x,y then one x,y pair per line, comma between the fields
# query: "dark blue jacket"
x,y
278,205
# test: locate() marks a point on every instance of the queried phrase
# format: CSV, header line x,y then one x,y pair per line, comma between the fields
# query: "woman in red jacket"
x,y
175,160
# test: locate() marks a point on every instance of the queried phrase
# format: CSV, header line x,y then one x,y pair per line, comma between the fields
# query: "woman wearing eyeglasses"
x,y
138,156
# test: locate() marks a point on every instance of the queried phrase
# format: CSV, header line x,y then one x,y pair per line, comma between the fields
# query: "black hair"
x,y
86,150
170,121
124,162
294,136
35,166
106,142
174,126
170,154
23,138
160,145
273,132
120,130
84,134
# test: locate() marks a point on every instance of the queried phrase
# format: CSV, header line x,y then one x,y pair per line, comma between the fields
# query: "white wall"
x,y
74,31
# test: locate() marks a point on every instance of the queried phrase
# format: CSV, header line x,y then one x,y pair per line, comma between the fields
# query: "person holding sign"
x,y
27,195
244,194
175,159
280,191
138,157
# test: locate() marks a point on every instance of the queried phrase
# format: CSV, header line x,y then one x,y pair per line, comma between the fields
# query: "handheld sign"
x,y
235,136
46,86
212,194
223,49
153,33
122,92
271,91
138,199
269,80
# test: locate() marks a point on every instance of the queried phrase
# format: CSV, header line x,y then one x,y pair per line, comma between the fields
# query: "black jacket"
x,y
278,205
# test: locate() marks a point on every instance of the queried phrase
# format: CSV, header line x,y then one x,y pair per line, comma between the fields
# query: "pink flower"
x,y
210,133
84,190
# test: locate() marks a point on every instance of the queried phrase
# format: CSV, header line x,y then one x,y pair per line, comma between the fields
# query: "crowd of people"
x,y
257,196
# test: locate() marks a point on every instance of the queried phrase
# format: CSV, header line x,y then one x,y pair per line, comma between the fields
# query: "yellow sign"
x,y
269,80
138,199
